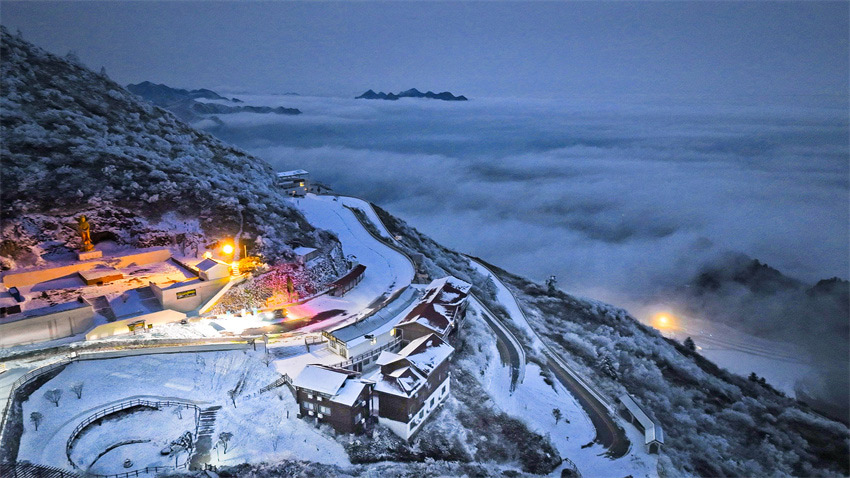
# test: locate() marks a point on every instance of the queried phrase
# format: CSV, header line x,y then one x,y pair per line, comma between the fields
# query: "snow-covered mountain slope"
x,y
75,142
716,423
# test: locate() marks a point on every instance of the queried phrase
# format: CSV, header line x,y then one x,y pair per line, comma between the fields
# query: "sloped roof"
x,y
439,304
208,264
350,390
652,430
322,379
415,362
427,352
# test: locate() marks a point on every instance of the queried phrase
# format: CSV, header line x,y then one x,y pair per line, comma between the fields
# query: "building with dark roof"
x,y
347,282
411,384
441,309
335,396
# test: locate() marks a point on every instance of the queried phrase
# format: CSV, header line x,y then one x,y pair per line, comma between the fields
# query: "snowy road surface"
x,y
572,400
516,356
386,270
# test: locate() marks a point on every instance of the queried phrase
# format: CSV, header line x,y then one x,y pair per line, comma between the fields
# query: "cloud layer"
x,y
609,197
624,201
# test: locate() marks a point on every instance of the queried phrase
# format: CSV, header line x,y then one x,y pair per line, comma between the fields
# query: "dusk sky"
x,y
476,49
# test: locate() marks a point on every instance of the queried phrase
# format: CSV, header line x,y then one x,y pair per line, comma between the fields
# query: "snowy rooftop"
x,y
427,352
652,430
321,379
403,373
303,251
49,309
293,173
385,318
100,273
439,304
350,390
208,264
177,285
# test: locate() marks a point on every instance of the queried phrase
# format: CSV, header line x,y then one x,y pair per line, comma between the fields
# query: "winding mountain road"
x,y
608,433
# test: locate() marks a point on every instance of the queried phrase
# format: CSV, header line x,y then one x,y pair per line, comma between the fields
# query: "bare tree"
x,y
556,412
36,419
53,396
77,388
224,439
267,359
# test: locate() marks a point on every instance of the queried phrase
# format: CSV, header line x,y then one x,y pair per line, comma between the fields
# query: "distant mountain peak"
x,y
185,104
411,93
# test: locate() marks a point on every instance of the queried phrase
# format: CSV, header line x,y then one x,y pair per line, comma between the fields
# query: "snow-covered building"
x,y
347,282
295,182
333,395
441,309
48,322
211,269
412,383
305,254
635,414
373,333
100,275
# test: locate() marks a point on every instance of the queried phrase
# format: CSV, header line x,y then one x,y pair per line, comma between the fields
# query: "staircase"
x,y
204,440
102,307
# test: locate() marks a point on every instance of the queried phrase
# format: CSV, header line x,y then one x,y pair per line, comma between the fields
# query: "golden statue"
x,y
85,234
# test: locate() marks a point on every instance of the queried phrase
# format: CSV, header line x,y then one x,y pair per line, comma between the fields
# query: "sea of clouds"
x,y
621,200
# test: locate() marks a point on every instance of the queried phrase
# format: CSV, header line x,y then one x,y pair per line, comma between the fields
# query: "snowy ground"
x,y
386,270
533,402
259,423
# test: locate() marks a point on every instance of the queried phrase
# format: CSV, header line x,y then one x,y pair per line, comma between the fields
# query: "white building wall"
x,y
50,326
406,430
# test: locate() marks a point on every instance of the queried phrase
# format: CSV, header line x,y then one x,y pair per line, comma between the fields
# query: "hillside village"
x,y
285,330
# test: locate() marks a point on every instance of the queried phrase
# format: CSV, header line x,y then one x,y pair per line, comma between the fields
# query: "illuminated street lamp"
x,y
227,249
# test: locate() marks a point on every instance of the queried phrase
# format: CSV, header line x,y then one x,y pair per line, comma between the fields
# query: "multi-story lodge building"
x,y
294,183
412,383
440,311
335,396
374,332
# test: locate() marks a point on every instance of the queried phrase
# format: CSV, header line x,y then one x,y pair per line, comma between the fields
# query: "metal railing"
x,y
75,357
367,355
30,470
284,379
117,408
19,382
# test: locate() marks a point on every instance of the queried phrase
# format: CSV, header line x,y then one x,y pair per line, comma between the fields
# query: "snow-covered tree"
x,y
53,396
36,418
77,388
224,439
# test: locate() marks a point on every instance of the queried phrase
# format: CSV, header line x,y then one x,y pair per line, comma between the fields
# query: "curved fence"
x,y
117,408
19,382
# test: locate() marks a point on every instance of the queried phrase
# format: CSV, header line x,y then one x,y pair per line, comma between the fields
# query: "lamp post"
x,y
229,250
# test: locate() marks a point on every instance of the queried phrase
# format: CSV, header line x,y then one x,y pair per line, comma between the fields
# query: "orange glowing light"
x,y
664,321
207,255
227,249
